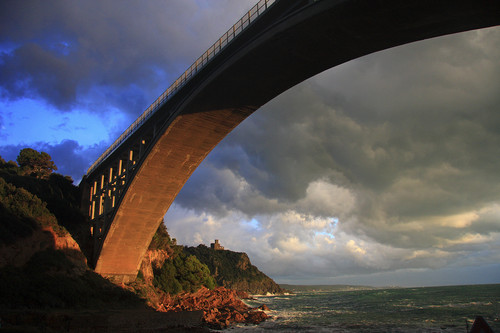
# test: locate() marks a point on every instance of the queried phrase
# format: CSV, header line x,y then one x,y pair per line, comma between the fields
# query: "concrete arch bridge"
x,y
276,45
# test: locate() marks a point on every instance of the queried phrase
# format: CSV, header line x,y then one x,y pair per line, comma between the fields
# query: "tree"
x,y
192,274
161,239
183,273
35,164
165,279
9,167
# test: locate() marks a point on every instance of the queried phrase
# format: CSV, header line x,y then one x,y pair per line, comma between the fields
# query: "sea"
x,y
413,310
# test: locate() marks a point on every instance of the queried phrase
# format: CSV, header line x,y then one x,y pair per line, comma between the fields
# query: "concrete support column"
x,y
101,204
92,216
90,201
131,161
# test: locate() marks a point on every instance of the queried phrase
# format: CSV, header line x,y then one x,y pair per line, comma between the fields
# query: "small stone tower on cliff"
x,y
216,245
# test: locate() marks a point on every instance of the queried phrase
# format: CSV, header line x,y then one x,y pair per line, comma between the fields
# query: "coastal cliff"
x,y
234,270
220,307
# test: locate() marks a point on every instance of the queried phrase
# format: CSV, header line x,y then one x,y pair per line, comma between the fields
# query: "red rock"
x,y
256,317
243,295
221,307
263,307
238,317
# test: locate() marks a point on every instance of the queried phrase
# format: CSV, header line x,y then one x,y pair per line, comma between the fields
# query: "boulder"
x,y
221,307
263,307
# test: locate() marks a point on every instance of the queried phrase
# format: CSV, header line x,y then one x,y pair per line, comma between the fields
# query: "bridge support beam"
x,y
174,157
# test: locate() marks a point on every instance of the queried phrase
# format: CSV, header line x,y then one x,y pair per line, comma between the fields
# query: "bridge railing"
x,y
213,50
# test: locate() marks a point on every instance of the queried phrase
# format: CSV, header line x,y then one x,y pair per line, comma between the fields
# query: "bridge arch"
x,y
293,41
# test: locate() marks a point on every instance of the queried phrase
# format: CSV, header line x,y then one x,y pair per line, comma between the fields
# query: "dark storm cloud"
x,y
372,133
30,70
401,146
128,52
71,158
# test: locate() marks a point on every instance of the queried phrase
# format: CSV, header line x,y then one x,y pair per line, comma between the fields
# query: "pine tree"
x,y
33,163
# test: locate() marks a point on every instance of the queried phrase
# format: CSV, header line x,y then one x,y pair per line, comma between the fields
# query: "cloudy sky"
x,y
381,171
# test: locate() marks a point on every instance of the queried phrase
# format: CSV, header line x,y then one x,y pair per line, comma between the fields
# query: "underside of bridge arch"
x,y
285,46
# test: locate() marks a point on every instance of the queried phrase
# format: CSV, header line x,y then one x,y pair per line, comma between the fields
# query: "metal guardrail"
x,y
213,50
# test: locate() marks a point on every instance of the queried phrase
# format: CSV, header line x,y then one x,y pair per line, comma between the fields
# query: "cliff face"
x,y
218,308
153,260
234,270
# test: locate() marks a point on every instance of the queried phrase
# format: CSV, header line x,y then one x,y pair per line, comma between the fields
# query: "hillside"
x,y
46,282
234,270
323,288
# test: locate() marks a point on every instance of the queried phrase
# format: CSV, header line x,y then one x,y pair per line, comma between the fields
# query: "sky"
x,y
381,171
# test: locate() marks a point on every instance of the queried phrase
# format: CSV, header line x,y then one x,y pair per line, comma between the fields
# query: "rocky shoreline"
x,y
220,307
194,312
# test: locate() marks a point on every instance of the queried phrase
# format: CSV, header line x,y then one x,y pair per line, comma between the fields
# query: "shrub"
x,y
19,204
183,273
62,198
166,279
161,239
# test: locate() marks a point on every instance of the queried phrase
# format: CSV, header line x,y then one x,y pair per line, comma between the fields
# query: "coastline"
x,y
221,308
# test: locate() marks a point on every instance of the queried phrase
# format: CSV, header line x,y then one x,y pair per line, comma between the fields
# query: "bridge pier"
x,y
104,193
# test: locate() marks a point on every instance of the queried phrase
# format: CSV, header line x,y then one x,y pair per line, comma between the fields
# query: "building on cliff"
x,y
216,245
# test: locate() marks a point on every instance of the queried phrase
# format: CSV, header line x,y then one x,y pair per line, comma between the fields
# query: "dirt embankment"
x,y
20,252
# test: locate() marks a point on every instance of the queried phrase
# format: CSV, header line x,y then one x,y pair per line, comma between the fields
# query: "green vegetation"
x,y
161,240
180,272
189,268
56,193
33,163
22,212
234,270
183,273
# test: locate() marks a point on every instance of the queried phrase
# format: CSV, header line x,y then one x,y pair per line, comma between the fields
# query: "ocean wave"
x,y
417,310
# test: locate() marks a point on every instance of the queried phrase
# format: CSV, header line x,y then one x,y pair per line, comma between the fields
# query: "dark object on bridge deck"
x,y
480,326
